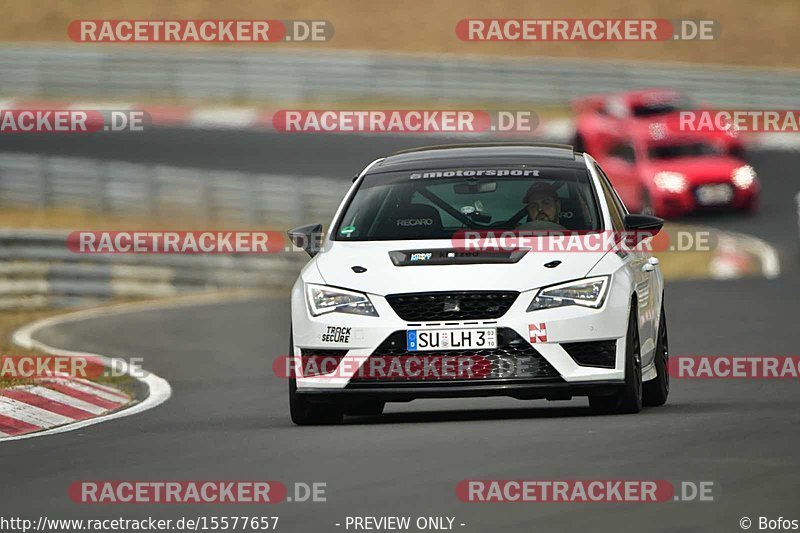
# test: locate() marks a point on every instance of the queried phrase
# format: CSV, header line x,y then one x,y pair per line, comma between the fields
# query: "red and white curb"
x,y
250,118
260,118
179,116
57,401
57,405
739,255
159,389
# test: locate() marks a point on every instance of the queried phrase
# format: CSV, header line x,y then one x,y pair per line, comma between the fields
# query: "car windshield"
x,y
685,149
657,108
435,204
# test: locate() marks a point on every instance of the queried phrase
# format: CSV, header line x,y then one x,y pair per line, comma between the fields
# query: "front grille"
x,y
513,359
447,306
318,362
602,354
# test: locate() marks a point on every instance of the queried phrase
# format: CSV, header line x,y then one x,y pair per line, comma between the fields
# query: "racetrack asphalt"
x,y
228,416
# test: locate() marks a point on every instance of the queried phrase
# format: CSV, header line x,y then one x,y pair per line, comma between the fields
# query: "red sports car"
x,y
656,167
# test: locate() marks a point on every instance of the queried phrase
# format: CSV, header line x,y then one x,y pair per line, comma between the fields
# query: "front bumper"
x,y
551,390
668,204
556,328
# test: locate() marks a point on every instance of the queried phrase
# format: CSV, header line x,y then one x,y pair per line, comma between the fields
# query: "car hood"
x,y
699,169
460,272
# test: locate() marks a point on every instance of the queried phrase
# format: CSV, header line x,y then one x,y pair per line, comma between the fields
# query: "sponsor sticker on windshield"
x,y
492,172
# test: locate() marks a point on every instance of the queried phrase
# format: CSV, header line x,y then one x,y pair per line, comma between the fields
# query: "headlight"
x,y
744,176
322,299
670,181
589,292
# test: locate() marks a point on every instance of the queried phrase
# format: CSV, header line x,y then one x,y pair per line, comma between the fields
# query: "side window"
x,y
615,207
624,151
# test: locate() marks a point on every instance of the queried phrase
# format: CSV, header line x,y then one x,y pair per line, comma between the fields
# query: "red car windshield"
x,y
659,108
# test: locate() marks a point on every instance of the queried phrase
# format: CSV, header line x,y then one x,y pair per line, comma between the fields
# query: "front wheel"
x,y
307,413
655,391
303,411
629,398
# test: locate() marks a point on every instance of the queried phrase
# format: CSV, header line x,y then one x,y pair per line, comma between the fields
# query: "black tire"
x,y
303,411
656,391
627,399
365,408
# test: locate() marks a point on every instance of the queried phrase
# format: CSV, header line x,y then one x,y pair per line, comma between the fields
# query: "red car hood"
x,y
697,169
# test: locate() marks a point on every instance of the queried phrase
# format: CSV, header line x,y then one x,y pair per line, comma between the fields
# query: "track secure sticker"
x,y
537,332
337,334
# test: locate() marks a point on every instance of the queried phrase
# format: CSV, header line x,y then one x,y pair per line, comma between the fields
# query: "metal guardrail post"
x,y
254,207
45,174
40,84
153,190
103,183
208,196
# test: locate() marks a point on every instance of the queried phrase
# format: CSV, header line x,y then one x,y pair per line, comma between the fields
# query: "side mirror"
x,y
309,238
644,223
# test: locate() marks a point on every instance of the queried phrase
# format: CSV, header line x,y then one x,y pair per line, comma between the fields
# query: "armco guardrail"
x,y
38,270
90,71
135,188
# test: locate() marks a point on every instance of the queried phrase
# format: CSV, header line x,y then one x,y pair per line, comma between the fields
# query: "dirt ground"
x,y
759,33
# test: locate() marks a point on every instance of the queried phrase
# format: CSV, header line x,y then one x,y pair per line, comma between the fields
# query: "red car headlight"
x,y
671,181
743,177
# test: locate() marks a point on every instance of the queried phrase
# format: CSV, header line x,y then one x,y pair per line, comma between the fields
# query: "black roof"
x,y
480,155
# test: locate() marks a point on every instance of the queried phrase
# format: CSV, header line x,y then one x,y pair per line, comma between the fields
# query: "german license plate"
x,y
719,194
451,339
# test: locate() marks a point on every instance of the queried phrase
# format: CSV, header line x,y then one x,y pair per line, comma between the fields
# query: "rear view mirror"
x,y
475,187
309,238
644,223
640,228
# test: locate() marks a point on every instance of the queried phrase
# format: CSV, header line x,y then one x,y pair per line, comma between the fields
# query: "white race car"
x,y
409,295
